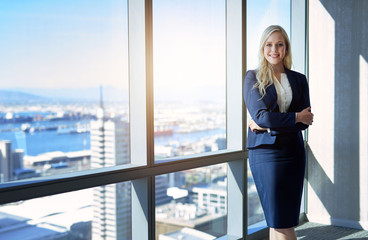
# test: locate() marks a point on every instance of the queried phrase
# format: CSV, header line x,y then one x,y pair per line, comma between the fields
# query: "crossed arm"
x,y
305,117
276,122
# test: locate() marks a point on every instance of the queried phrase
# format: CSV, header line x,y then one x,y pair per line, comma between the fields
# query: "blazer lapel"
x,y
293,87
272,91
271,98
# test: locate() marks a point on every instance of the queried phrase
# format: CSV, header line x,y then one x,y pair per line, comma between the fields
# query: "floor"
x,y
314,231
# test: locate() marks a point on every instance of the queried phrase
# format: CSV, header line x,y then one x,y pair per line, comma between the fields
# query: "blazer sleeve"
x,y
262,114
303,103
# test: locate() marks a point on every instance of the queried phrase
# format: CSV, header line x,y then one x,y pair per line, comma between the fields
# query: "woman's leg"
x,y
282,234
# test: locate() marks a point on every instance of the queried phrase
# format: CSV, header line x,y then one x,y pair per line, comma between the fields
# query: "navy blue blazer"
x,y
265,112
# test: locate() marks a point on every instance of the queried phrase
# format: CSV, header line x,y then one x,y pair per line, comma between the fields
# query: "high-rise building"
x,y
161,186
112,205
11,163
6,167
17,156
19,172
212,198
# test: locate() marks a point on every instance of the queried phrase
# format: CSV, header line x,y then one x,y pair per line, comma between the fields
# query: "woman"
x,y
277,99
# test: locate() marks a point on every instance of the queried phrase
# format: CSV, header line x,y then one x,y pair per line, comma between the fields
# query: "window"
x,y
128,150
65,96
181,202
189,66
100,212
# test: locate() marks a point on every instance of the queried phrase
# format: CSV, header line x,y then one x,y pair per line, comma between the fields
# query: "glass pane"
x,y
189,50
64,87
261,14
97,213
255,212
192,203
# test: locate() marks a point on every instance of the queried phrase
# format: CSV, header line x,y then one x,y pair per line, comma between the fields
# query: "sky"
x,y
49,44
260,15
63,43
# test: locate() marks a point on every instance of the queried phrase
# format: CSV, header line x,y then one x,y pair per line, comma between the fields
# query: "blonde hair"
x,y
265,73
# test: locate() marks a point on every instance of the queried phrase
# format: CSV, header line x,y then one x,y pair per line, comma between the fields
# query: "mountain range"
x,y
37,95
110,94
18,97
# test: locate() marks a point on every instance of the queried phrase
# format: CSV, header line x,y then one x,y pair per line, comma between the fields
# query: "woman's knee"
x,y
284,230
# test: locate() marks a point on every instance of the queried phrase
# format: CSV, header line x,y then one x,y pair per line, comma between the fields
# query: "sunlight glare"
x,y
363,130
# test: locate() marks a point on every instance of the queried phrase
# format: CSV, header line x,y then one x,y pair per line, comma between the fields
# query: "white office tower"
x,y
212,198
109,143
112,207
6,168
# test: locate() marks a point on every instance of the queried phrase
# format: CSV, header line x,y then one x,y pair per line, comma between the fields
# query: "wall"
x,y
338,78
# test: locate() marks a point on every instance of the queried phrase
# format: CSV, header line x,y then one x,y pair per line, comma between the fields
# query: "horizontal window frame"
x,y
50,185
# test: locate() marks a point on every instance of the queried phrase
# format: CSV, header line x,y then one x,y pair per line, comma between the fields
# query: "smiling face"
x,y
274,50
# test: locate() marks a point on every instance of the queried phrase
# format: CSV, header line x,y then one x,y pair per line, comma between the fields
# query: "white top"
x,y
284,93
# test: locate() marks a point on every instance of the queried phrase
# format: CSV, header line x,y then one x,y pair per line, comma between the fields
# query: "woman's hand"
x,y
305,116
254,127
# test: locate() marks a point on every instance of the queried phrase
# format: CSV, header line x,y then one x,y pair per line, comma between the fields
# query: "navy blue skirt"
x,y
278,172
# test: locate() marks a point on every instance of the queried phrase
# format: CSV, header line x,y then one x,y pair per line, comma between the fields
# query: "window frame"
x,y
142,170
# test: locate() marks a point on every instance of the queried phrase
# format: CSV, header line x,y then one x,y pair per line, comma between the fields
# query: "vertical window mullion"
x,y
298,35
141,208
149,83
298,38
236,201
150,119
137,81
141,114
234,76
236,190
